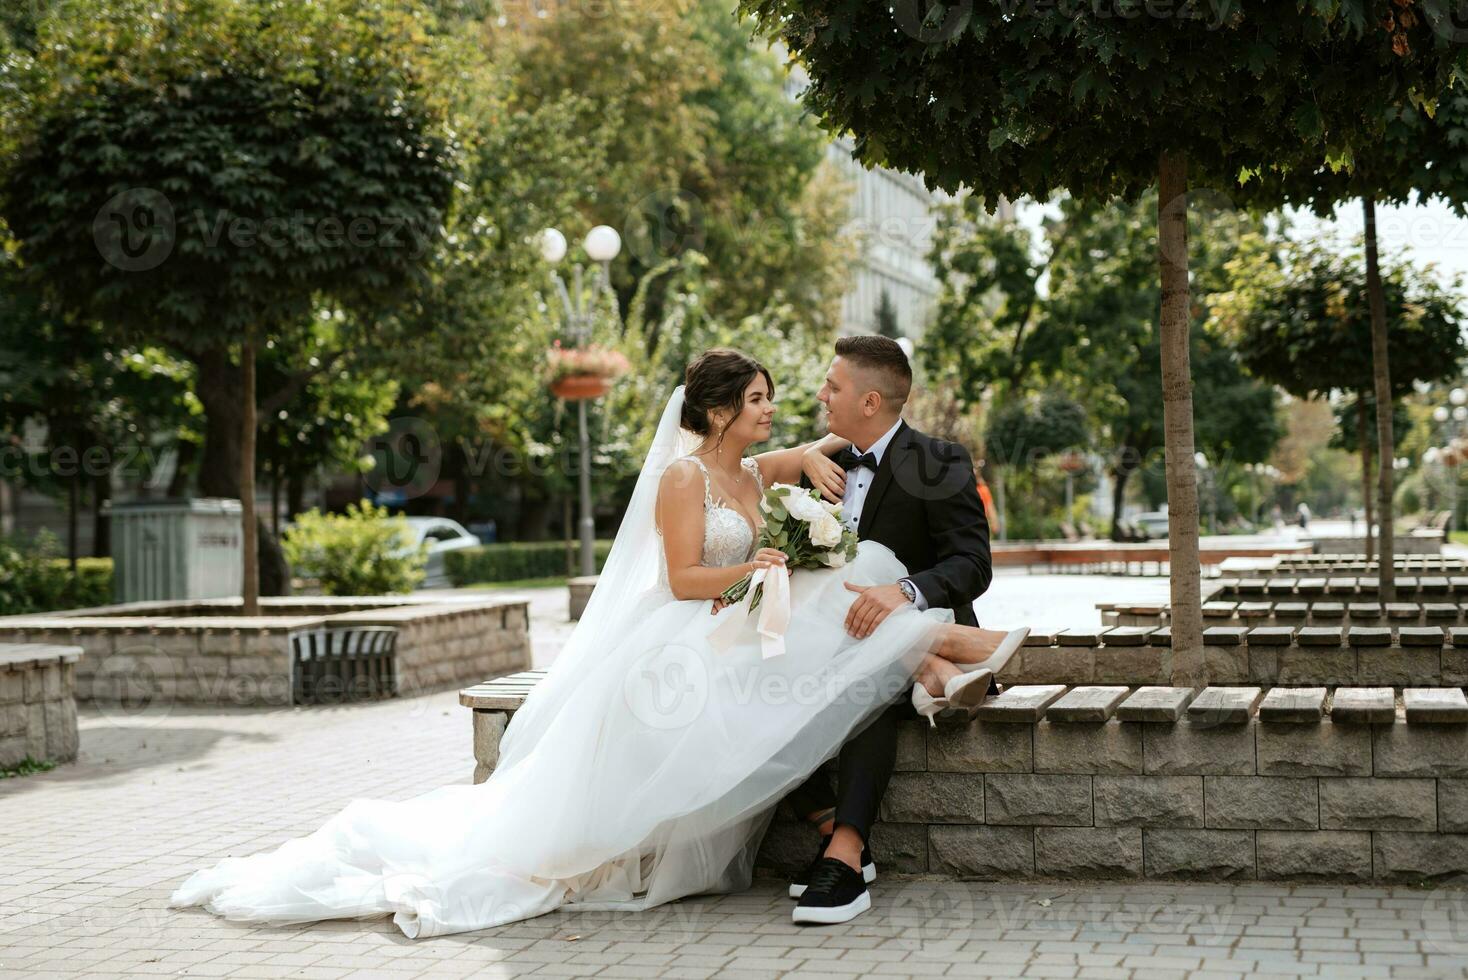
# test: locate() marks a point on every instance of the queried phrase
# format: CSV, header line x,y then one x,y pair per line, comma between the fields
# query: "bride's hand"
x,y
766,557
824,474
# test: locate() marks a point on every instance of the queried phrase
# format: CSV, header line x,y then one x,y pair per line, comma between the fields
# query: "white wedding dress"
x,y
643,768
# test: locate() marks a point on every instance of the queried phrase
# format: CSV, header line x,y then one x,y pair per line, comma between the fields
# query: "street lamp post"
x,y
601,246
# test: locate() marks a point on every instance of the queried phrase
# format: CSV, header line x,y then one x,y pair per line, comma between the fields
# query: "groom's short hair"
x,y
882,363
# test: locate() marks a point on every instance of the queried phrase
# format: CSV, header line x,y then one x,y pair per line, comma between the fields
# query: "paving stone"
x,y
1327,611
1363,706
1260,802
1329,855
1435,705
1369,636
1160,637
1085,748
1313,750
1188,749
1088,852
1023,703
1038,800
1086,704
1270,636
982,852
1319,636
1224,636
1078,637
934,797
1420,750
1301,705
1214,855
1148,801
1224,705
981,746
1379,804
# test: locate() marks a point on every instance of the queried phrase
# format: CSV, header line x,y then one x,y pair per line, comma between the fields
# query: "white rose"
x,y
825,531
834,559
804,508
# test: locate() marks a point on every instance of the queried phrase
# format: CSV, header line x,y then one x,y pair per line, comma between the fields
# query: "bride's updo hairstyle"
x,y
716,379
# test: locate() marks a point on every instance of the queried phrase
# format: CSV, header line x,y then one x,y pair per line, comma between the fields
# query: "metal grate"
x,y
351,663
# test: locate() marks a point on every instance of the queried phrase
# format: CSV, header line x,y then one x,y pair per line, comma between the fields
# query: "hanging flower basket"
x,y
577,373
575,387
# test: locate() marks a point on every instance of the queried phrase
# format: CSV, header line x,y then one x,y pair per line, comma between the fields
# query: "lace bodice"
x,y
727,537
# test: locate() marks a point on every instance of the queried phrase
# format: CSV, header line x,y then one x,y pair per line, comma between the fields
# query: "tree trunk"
x,y
1118,500
1365,441
73,504
101,519
275,504
295,495
250,587
178,485
1188,668
1381,374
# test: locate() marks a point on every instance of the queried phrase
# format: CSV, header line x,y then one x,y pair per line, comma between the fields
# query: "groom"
x,y
917,495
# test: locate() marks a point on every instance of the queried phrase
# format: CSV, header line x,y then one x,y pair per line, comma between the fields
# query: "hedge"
x,y
511,561
32,580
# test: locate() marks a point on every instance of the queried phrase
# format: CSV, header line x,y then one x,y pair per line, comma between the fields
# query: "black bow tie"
x,y
847,459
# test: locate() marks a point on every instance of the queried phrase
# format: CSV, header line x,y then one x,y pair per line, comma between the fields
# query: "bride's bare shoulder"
x,y
682,478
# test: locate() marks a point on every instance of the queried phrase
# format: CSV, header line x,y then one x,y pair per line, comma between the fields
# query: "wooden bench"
x,y
494,702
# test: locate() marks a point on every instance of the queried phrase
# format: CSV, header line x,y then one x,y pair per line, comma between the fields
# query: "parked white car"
x,y
441,535
1154,522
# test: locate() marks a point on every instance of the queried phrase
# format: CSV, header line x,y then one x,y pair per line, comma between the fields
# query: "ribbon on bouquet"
x,y
774,613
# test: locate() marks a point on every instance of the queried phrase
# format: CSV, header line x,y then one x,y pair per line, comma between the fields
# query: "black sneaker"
x,y
836,893
799,882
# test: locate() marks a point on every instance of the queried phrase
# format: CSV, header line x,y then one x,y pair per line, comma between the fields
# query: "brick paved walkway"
x,y
92,850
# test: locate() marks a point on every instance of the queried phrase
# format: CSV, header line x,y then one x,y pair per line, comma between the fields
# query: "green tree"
x,y
248,160
886,317
1022,102
1420,154
705,152
1300,316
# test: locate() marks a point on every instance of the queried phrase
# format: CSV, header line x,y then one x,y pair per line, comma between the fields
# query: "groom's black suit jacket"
x,y
924,504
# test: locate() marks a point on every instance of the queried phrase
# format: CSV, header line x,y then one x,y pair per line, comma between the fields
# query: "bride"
x,y
646,764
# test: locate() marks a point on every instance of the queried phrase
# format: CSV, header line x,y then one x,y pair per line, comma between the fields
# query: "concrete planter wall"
x,y
1222,795
37,703
196,653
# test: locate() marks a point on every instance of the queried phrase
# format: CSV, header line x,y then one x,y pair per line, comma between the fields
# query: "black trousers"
x,y
863,769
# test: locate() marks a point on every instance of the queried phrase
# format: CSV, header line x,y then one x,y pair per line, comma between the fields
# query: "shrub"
x,y
513,561
34,579
362,552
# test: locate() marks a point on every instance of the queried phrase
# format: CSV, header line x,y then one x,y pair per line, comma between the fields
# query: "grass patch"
x,y
26,767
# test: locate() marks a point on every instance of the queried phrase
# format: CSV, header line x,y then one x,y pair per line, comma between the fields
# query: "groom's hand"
x,y
873,604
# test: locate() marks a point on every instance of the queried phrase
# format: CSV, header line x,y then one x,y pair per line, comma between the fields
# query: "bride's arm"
x,y
786,465
680,518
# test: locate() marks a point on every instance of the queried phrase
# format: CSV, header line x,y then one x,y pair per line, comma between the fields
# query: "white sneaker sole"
x,y
832,915
868,874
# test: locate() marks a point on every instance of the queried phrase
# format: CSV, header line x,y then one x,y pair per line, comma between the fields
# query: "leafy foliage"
x,y
1299,317
361,552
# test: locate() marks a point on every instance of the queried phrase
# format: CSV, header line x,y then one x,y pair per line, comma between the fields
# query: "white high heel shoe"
x,y
927,705
968,689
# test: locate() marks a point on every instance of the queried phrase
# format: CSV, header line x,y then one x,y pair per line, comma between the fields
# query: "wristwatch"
x,y
909,590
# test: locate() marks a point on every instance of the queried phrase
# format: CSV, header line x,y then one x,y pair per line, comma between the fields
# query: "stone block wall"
x,y
37,703
1199,797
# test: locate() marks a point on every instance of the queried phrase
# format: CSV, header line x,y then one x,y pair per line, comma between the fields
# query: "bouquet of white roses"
x,y
805,527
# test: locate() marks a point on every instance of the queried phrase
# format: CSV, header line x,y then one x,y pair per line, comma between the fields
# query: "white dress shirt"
x,y
859,484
